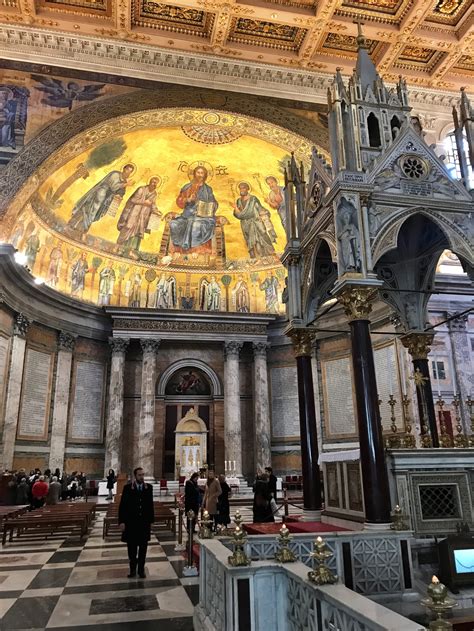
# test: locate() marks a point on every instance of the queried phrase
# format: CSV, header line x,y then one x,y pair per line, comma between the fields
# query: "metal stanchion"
x,y
179,547
190,569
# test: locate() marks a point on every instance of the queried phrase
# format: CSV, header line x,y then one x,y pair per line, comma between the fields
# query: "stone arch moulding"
x,y
189,363
323,237
387,238
20,177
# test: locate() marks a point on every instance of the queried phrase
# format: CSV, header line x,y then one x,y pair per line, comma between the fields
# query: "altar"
x,y
190,444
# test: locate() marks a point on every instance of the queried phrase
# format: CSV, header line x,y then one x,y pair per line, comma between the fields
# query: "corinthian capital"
x,y
21,325
302,342
418,344
118,344
149,346
260,349
357,302
232,348
66,341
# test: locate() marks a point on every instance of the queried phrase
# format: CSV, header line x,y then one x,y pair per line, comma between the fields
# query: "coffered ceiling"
x,y
430,42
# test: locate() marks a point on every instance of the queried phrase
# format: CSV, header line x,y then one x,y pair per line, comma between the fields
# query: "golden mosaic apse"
x,y
178,216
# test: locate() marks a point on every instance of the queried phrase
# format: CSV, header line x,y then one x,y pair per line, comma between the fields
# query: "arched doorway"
x,y
185,388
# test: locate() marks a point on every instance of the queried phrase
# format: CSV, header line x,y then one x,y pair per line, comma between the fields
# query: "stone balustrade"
x,y
268,595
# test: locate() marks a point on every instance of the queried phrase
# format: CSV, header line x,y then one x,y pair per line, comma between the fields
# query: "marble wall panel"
x,y
31,462
42,336
6,321
92,466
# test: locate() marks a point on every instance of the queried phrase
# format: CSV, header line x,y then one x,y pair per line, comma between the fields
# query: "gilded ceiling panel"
x,y
466,62
380,6
348,43
78,6
270,34
171,17
449,12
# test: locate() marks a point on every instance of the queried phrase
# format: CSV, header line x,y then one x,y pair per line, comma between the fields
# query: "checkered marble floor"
x,y
64,584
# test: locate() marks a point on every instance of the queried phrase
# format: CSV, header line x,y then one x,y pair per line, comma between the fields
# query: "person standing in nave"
x,y
192,496
211,495
272,482
223,504
54,491
39,492
23,492
136,514
111,480
262,510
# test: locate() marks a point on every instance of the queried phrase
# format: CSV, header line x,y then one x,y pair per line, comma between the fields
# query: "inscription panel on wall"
x,y
35,395
338,398
87,409
4,356
386,371
285,412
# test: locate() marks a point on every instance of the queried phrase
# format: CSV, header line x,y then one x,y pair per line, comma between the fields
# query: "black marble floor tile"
x,y
131,584
123,604
29,613
65,556
50,578
166,624
73,543
193,593
10,594
178,567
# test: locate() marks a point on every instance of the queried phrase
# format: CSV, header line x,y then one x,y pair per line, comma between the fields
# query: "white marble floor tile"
x,y
5,604
8,561
16,579
104,574
38,593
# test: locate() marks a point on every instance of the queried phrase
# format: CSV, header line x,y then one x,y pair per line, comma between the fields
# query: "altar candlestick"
x,y
225,465
233,466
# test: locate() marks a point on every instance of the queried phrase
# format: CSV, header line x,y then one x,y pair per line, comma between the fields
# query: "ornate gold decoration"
x,y
188,327
445,439
460,440
95,6
322,574
347,42
447,7
238,558
470,405
418,344
357,302
439,603
302,340
205,526
394,440
212,135
408,441
268,34
284,554
398,519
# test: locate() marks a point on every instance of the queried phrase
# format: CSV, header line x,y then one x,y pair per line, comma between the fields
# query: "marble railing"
x,y
369,563
268,595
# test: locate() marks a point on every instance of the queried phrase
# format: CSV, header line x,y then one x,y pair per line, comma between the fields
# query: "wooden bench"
x,y
43,523
163,515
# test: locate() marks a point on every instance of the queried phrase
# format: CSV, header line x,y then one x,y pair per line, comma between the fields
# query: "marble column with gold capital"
x,y
262,428
15,377
357,304
302,346
114,427
146,437
232,412
419,346
66,343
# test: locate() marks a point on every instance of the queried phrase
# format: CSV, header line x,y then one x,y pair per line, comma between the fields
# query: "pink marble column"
x,y
262,427
113,434
146,439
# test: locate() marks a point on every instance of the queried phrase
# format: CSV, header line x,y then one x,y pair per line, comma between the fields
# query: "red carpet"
x,y
294,527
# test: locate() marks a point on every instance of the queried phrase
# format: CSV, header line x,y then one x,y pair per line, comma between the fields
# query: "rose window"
x,y
414,168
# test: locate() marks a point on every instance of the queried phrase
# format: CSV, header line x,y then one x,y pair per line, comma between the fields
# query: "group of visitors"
x,y
214,498
36,488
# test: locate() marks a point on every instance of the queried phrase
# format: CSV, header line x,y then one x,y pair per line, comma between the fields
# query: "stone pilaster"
x,y
262,428
15,377
232,412
146,439
66,343
461,354
113,435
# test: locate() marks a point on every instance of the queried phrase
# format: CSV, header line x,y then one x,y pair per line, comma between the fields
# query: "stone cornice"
x,y
159,64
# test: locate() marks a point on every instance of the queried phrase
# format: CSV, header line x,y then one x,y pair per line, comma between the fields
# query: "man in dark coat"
x,y
136,515
272,482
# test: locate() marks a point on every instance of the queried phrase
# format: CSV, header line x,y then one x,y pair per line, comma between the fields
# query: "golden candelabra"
x,y
470,405
205,526
460,440
394,440
237,519
445,439
322,574
398,519
239,558
409,441
439,603
420,380
284,554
